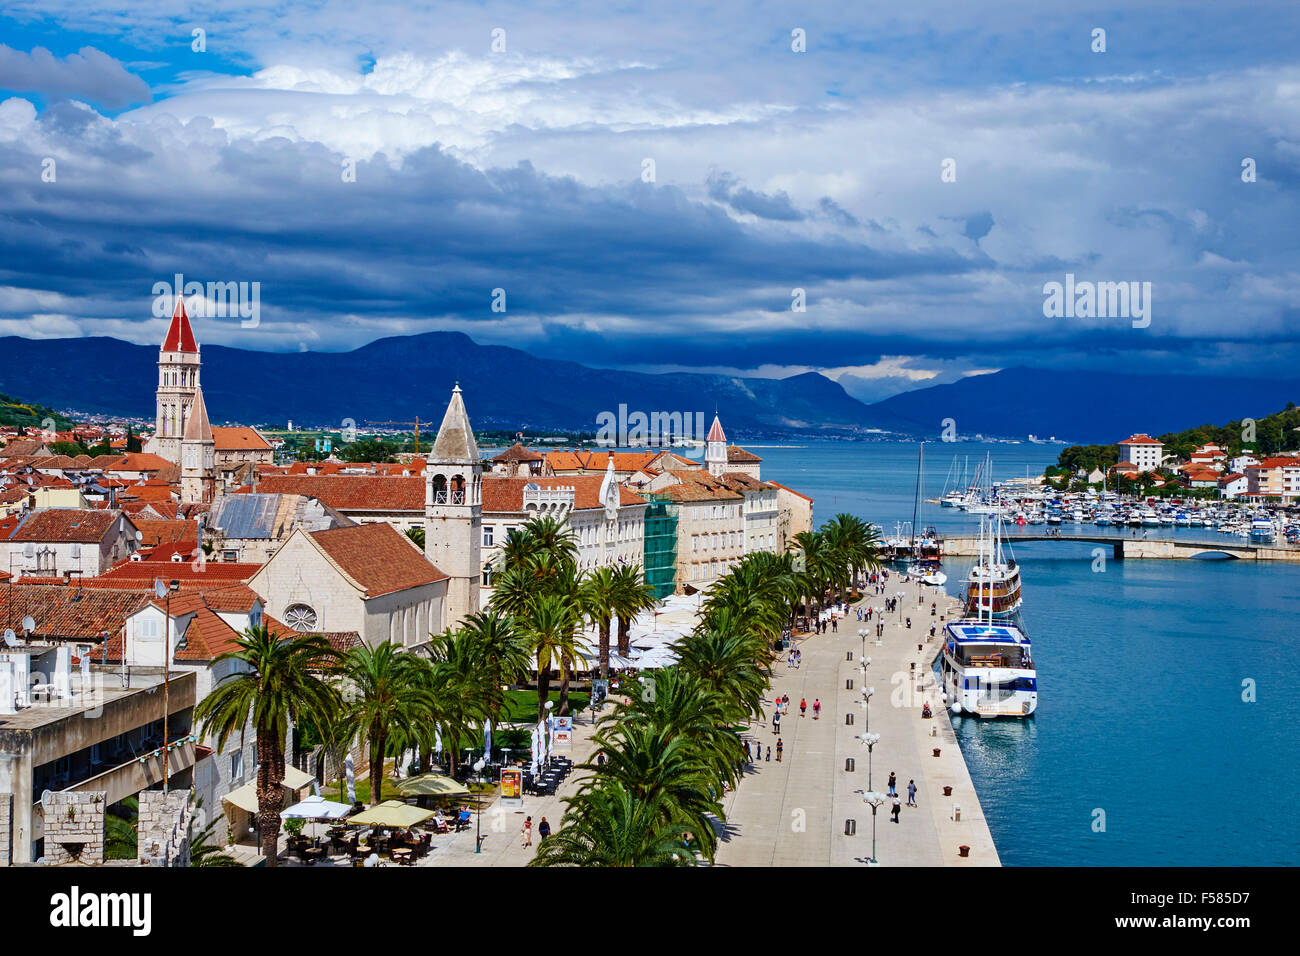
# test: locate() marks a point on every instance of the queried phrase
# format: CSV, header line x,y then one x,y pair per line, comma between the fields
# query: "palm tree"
x,y
654,763
387,694
460,691
609,826
500,651
600,593
279,683
633,595
552,622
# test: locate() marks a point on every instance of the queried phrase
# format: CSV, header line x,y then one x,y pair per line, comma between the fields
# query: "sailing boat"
x,y
925,567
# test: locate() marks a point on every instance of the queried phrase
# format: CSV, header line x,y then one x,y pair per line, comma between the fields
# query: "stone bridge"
x,y
1137,547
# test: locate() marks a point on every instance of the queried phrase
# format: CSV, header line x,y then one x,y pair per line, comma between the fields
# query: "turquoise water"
x,y
1140,672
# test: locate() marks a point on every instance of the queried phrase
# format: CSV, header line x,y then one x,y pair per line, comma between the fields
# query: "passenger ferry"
x,y
993,585
987,669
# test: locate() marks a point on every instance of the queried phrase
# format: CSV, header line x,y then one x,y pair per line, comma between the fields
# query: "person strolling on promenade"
x,y
893,784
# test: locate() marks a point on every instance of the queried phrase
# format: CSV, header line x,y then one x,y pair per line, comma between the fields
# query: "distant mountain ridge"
x,y
401,377
1086,406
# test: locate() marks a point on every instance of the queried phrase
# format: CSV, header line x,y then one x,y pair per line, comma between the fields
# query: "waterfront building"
x,y
1276,478
795,515
607,519
1143,451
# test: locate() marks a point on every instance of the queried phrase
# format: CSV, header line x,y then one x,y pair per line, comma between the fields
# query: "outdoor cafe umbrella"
x,y
315,808
430,785
391,813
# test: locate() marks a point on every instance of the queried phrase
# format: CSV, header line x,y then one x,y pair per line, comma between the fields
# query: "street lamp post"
x,y
478,807
165,592
873,799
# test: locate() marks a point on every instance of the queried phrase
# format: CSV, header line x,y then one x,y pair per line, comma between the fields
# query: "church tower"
x,y
715,449
198,455
178,380
453,509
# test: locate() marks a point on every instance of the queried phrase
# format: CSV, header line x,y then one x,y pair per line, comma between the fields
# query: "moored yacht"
x,y
988,669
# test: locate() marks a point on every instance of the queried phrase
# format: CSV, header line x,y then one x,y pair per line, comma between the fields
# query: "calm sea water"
x,y
1140,673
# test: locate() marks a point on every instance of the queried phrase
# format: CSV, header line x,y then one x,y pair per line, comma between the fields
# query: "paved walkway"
x,y
793,813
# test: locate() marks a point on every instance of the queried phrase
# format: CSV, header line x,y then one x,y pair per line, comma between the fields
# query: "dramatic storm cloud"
x,y
650,190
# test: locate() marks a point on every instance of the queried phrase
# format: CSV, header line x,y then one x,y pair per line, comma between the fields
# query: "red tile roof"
x,y
352,492
378,557
180,337
238,438
79,525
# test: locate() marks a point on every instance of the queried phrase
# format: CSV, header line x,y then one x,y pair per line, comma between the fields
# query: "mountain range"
x,y
402,377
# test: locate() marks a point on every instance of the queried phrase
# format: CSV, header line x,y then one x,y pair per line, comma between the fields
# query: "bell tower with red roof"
x,y
178,380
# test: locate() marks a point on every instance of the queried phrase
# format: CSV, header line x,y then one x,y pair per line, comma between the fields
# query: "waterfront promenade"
x,y
793,813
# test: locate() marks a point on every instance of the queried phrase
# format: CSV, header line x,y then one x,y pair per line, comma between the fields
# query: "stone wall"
x,y
163,828
6,823
74,827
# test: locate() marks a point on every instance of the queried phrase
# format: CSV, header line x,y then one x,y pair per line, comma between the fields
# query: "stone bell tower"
x,y
453,510
178,378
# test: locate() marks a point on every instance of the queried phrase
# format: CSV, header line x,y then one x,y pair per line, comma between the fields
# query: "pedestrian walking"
x,y
898,808
893,784
543,830
803,707
528,831
911,793
780,748
817,709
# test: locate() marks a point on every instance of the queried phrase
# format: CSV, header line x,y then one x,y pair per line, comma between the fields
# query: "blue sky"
x,y
774,170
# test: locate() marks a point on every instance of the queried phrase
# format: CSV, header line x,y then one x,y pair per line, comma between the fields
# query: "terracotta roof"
x,y
154,532
239,438
85,526
789,489
132,461
60,610
580,460
378,557
517,452
191,577
352,492
180,337
739,455
506,495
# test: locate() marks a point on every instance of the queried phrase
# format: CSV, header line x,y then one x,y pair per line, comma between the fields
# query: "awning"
x,y
391,813
316,808
431,785
245,797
